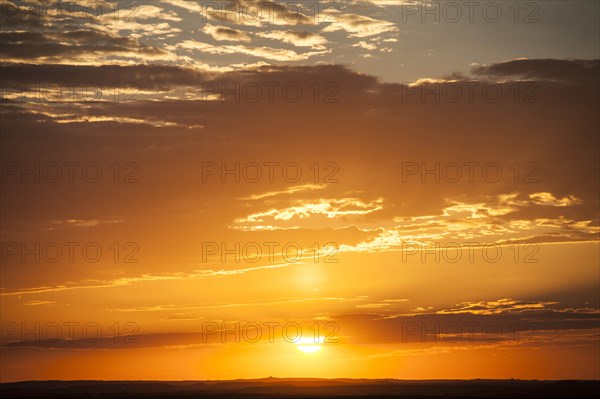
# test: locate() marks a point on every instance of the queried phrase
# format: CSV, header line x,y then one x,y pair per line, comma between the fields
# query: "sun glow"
x,y
310,345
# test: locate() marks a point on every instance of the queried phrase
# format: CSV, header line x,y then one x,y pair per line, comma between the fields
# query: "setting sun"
x,y
310,345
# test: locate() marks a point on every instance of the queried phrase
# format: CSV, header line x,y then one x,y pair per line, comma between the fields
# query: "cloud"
x,y
291,190
270,53
560,207
184,4
388,3
365,45
38,303
504,305
224,33
87,46
328,208
140,77
152,12
255,13
144,278
297,38
360,25
549,200
468,325
498,220
579,71
257,303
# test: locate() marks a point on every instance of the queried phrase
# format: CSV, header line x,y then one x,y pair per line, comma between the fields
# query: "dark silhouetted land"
x,y
303,388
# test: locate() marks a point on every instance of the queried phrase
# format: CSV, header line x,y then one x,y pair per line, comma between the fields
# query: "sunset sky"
x,y
412,184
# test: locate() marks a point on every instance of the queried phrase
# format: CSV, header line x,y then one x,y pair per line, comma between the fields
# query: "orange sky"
x,y
175,178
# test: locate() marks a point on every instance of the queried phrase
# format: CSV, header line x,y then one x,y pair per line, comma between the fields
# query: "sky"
x,y
348,189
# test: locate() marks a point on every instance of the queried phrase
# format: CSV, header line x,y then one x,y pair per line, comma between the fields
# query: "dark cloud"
x,y
67,44
580,71
524,328
301,34
12,15
414,126
146,77
472,329
232,33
